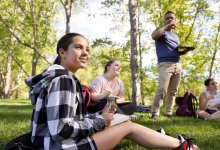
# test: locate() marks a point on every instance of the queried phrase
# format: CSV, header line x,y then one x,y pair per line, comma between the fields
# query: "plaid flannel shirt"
x,y
58,119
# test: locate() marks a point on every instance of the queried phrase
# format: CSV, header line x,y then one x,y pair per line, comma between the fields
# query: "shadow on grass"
x,y
14,112
178,121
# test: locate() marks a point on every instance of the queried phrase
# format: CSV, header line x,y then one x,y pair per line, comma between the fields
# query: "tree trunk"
x,y
19,81
134,52
140,53
67,5
34,57
34,64
2,83
215,51
8,77
194,20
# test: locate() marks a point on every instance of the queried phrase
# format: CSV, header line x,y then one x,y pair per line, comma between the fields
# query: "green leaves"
x,y
35,23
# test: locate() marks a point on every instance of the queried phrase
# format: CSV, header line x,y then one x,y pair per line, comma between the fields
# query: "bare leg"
x,y
110,137
215,115
202,114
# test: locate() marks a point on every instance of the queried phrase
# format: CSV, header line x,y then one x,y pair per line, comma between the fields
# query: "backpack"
x,y
187,105
87,96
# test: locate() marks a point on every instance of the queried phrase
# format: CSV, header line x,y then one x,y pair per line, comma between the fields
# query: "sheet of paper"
x,y
119,118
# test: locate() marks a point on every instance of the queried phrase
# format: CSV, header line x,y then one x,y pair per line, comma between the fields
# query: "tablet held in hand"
x,y
185,49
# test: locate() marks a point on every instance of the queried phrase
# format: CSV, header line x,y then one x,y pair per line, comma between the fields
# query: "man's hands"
x,y
159,32
171,25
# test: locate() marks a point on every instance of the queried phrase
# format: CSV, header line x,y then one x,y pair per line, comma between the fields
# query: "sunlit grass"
x,y
206,133
15,118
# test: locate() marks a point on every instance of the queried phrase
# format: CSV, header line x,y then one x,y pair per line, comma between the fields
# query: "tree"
x,y
37,16
134,51
27,25
67,5
215,50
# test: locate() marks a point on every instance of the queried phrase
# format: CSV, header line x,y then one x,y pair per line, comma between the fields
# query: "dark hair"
x,y
63,43
109,64
169,12
207,81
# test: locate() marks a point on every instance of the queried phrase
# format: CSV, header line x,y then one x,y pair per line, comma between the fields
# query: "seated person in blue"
x,y
205,110
59,120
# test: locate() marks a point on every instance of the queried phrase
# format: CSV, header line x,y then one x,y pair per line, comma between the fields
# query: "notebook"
x,y
119,118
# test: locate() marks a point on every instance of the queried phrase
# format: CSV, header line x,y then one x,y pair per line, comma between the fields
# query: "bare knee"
x,y
202,114
128,125
216,115
126,128
114,134
131,128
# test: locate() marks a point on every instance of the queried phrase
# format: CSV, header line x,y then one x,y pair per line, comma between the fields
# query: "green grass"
x,y
15,118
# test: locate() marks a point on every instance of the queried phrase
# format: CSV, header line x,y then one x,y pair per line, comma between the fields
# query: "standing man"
x,y
169,66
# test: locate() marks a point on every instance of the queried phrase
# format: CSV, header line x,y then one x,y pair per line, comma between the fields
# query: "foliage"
x,y
26,27
198,23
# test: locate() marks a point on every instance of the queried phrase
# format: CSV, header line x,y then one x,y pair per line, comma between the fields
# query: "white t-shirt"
x,y
101,84
211,102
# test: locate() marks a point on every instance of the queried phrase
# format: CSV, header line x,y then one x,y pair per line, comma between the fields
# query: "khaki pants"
x,y
169,80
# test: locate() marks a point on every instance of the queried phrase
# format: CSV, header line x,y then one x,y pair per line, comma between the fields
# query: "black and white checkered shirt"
x,y
59,120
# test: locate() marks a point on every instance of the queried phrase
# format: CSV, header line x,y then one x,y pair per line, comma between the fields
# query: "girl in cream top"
x,y
108,84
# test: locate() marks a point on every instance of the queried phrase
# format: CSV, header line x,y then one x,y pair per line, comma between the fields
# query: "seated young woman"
x,y
59,120
109,84
205,111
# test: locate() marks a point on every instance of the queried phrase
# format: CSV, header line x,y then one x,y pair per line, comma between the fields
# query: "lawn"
x,y
15,116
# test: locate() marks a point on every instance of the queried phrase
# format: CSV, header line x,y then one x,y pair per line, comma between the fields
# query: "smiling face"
x,y
212,86
77,54
114,68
